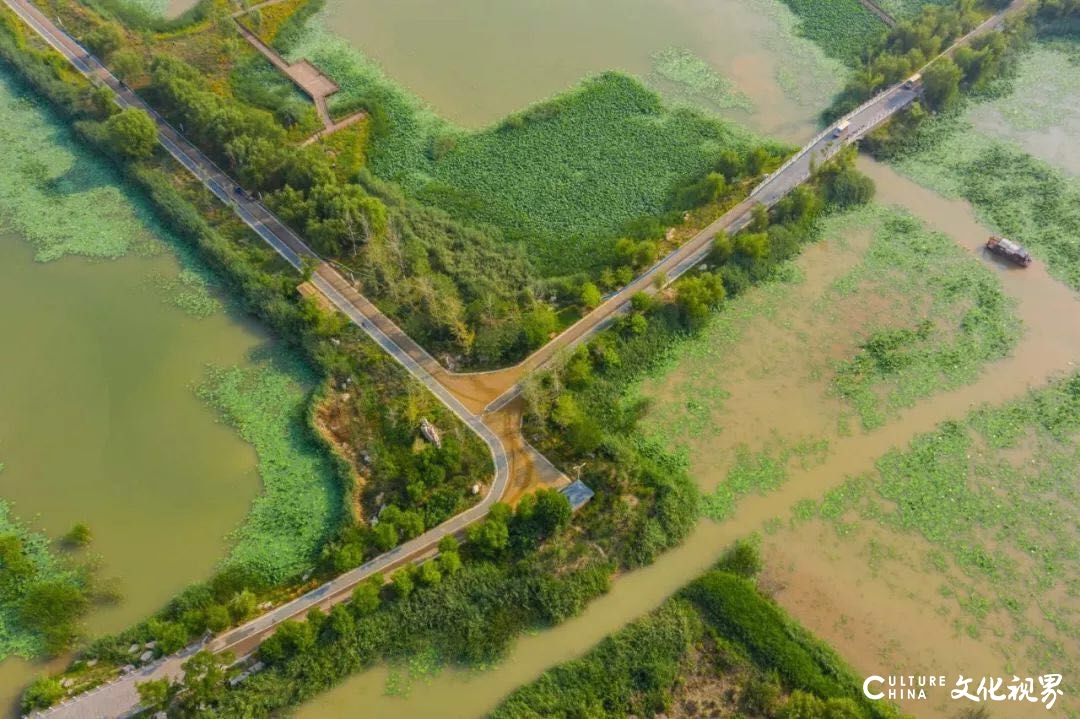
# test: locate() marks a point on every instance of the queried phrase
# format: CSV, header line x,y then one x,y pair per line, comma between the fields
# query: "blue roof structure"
x,y
578,493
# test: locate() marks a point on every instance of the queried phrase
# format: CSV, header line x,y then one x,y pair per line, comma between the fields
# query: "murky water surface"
x,y
475,61
99,422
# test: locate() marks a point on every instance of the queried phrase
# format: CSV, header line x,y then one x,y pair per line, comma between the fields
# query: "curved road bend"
x,y
120,698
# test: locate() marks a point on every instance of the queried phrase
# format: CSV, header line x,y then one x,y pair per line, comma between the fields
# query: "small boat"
x,y
1012,251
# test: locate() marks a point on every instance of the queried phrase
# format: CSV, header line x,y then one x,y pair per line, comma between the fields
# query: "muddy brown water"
x,y
99,424
877,628
476,61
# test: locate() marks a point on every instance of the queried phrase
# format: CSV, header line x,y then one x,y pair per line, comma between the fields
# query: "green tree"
x,y
155,694
759,221
428,574
402,582
385,536
132,134
341,622
539,324
490,537
127,64
695,296
552,513
243,605
53,609
590,296
217,618
104,40
449,563
170,636
730,165
204,681
941,84
16,568
365,597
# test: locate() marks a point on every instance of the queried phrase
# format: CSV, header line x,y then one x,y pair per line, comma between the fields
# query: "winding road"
x,y
472,398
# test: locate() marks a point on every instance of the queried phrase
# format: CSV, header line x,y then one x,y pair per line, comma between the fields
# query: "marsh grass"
x,y
992,495
299,504
759,472
1045,94
685,76
949,317
843,28
188,291
64,200
15,640
561,177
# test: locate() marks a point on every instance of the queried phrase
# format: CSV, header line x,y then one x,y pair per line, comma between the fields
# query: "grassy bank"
x,y
719,648
43,594
300,505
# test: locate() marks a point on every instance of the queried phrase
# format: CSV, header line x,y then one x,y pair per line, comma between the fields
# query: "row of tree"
x,y
719,632
913,43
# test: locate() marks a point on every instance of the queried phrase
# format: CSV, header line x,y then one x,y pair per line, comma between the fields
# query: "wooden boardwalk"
x,y
310,79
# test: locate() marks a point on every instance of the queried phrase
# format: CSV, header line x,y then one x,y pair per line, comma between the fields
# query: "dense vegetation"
x,y
43,594
299,506
521,568
913,43
562,178
419,488
843,28
565,176
383,397
718,647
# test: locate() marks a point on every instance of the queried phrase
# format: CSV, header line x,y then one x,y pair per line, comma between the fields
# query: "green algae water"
x,y
99,419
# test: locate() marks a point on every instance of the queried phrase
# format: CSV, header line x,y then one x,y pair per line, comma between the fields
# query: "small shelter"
x,y
578,493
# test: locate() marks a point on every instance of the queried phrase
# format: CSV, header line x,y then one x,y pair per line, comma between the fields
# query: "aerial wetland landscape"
x,y
538,358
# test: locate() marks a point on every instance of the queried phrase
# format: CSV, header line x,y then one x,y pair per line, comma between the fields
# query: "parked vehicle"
x,y
1012,251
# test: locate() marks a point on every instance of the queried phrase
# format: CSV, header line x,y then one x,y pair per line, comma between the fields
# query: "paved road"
x,y
120,699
